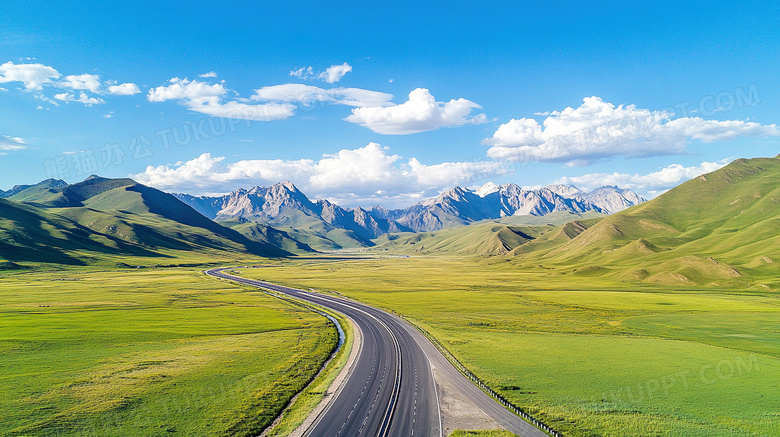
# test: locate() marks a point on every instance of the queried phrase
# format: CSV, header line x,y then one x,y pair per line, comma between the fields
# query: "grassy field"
x,y
589,356
149,352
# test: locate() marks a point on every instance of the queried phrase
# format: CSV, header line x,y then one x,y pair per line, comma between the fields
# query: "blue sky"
x,y
400,102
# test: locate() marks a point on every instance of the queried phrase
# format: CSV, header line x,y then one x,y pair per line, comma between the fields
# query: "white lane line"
x,y
436,391
385,424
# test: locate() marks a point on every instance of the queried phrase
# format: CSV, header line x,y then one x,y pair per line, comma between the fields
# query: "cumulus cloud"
x,y
650,184
89,82
599,129
266,104
12,144
33,76
418,114
365,174
82,98
186,90
125,89
209,74
36,76
332,74
208,99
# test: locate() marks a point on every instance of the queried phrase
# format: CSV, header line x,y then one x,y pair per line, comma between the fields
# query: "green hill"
x,y
492,237
29,234
23,191
101,218
267,234
483,239
316,233
70,195
719,228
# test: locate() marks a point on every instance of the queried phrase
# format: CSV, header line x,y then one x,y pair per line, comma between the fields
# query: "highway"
x,y
390,390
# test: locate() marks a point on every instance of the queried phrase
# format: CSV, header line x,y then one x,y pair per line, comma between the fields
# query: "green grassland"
x,y
587,354
149,352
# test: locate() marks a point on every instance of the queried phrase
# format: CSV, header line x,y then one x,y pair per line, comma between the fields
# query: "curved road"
x,y
391,390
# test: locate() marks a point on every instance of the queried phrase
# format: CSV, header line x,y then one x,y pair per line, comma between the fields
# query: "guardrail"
x,y
484,387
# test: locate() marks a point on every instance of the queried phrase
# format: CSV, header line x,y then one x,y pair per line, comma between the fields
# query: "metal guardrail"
x,y
484,387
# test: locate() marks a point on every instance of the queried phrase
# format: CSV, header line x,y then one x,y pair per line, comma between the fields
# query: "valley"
x,y
655,320
380,219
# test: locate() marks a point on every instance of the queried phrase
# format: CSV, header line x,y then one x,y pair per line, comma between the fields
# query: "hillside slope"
x,y
29,234
489,238
115,217
722,228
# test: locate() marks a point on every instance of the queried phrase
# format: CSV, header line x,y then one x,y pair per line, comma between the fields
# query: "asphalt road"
x,y
390,391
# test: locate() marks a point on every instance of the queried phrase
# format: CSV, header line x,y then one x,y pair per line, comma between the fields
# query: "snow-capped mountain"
x,y
613,199
282,204
565,190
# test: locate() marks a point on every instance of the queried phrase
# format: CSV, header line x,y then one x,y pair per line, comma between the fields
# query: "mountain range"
x,y
719,229
330,226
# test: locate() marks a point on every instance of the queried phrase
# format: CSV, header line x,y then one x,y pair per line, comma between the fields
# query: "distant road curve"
x,y
391,390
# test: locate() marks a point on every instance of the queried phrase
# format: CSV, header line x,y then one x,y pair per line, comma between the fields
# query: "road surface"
x,y
391,389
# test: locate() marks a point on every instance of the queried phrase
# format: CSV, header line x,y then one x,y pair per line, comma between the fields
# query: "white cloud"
x,y
332,74
125,89
207,99
89,82
366,174
648,184
599,129
273,102
243,111
83,98
308,94
194,92
33,76
303,73
12,144
36,76
360,97
209,74
419,114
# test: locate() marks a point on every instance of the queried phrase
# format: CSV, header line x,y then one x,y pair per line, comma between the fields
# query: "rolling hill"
x,y
30,234
112,217
23,191
490,237
720,228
